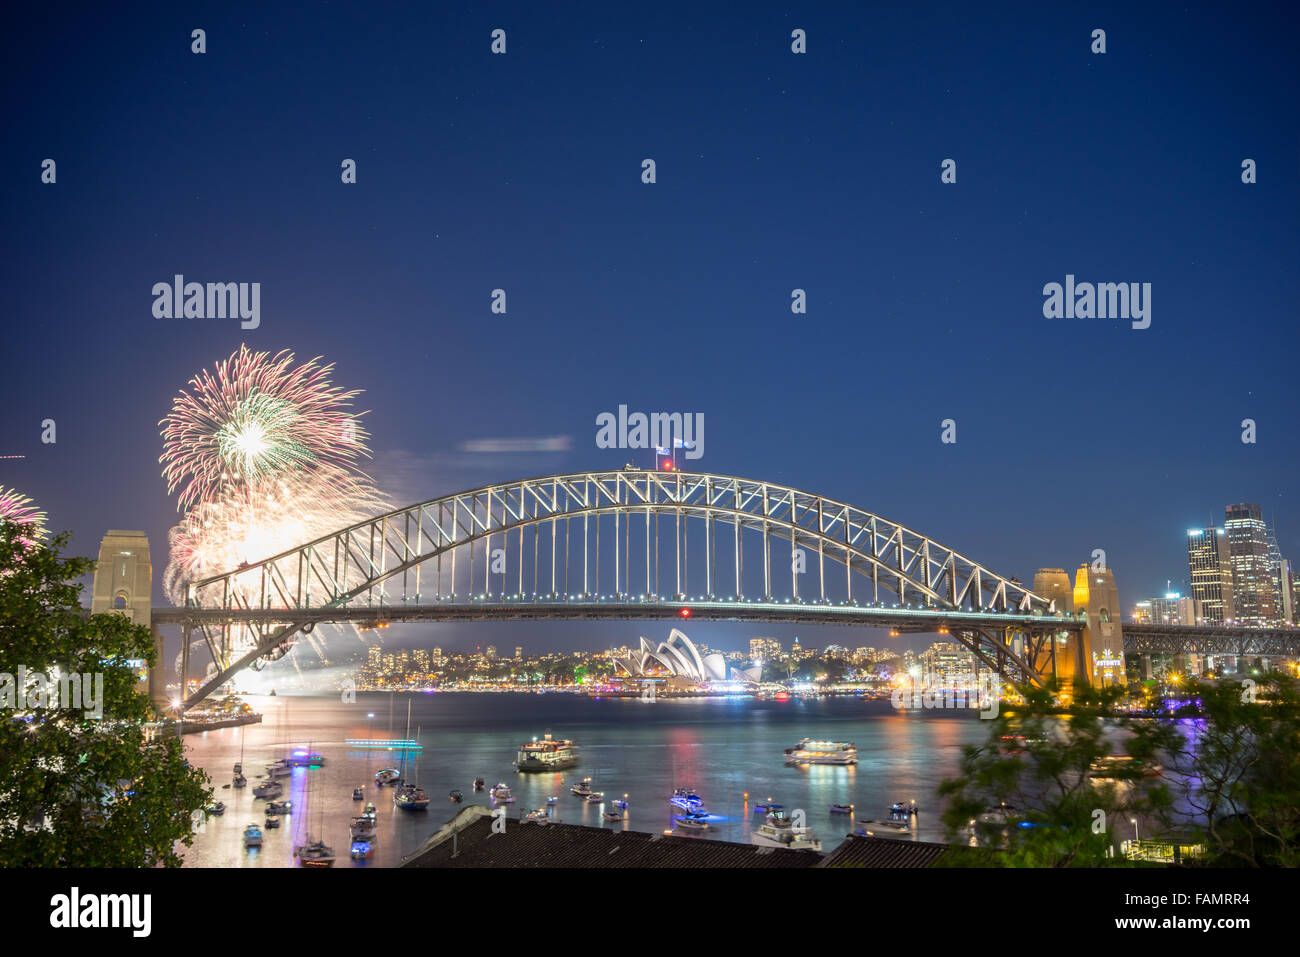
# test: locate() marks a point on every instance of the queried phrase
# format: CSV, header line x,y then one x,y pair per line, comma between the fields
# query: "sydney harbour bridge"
x,y
648,544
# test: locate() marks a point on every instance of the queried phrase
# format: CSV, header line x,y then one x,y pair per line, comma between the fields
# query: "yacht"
x,y
218,809
582,789
268,789
411,798
239,781
539,816
692,821
899,809
501,795
360,850
687,800
612,817
369,809
841,808
809,751
279,769
272,821
547,755
358,794
621,803
279,807
778,830
252,836
387,776
885,828
363,828
595,797
455,796
302,758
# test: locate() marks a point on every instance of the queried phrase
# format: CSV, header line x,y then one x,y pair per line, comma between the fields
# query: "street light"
x,y
1134,822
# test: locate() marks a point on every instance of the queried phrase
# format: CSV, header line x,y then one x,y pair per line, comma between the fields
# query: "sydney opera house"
x,y
679,658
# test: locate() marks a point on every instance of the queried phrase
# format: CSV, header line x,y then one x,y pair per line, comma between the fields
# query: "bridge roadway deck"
x,y
918,620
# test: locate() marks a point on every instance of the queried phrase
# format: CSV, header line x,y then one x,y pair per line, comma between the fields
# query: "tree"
x,y
1236,774
76,789
1033,792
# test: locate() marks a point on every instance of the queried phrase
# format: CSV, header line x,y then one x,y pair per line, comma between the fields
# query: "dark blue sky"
x,y
775,171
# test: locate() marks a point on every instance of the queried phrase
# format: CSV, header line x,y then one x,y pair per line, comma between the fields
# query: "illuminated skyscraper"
x,y
1252,573
1211,574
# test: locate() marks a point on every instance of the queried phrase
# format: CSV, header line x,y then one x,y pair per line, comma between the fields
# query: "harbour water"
x,y
722,747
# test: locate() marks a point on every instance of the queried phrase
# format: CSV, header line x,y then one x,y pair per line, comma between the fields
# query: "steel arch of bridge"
x,y
356,567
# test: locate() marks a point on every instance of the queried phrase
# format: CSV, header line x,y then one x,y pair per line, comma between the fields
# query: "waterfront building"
x,y
676,657
1211,574
946,664
1252,573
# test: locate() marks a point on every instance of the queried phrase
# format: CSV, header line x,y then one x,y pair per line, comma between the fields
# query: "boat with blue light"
x,y
688,801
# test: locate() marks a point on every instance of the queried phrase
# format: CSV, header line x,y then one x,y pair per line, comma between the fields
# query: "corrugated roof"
x,y
862,851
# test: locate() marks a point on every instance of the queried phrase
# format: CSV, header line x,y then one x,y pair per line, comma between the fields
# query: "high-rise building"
x,y
1252,573
1211,574
491,652
519,652
764,649
1173,609
946,664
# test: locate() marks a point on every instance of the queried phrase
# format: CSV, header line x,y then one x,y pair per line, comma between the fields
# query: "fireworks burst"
x,y
255,418
20,510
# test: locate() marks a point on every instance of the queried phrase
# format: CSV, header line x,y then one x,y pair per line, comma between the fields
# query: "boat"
x,y
501,795
692,821
268,789
272,821
363,828
687,800
369,809
360,850
899,808
358,794
279,807
478,784
239,781
408,797
455,796
218,809
612,817
841,808
885,828
768,808
537,816
252,836
278,770
1122,766
595,797
582,788
387,776
546,755
621,803
315,854
272,694
809,751
552,799
778,830
303,758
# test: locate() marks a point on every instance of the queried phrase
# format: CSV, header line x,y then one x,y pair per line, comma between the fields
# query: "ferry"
x,y
501,794
688,801
809,751
547,755
778,830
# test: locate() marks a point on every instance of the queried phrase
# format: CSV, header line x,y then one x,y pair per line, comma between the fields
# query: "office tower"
x,y
764,649
1252,575
1211,574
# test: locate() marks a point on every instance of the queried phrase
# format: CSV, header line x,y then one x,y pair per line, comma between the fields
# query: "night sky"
x,y
775,171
